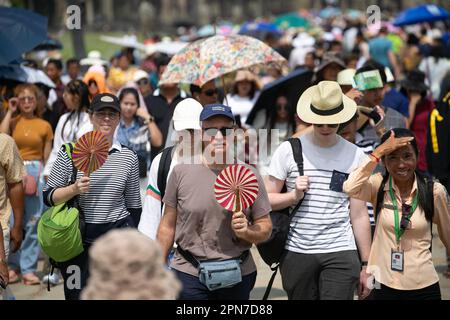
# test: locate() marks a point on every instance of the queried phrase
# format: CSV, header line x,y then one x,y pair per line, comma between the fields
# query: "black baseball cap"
x,y
105,100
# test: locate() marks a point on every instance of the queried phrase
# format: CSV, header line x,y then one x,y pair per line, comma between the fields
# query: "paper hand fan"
x,y
236,188
90,152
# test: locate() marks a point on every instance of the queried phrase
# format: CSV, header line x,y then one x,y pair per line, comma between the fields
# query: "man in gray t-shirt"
x,y
202,229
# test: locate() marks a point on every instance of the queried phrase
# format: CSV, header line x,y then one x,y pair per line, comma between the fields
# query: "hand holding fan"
x,y
90,152
236,188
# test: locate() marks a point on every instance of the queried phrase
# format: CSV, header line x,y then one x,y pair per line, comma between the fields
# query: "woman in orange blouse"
x,y
33,137
400,257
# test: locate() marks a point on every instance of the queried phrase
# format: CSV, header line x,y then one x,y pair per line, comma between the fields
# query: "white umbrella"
x,y
129,41
25,74
168,47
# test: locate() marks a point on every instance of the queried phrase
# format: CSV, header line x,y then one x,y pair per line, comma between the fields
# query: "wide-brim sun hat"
x,y
345,77
330,58
325,103
94,58
245,75
414,81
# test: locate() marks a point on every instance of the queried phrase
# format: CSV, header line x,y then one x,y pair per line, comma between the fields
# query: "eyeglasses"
x,y
328,125
406,211
212,132
210,92
27,99
142,82
103,114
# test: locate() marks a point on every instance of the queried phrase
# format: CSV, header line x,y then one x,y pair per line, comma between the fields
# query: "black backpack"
x,y
272,250
163,171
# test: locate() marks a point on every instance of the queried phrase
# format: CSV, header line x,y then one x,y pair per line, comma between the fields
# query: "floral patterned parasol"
x,y
213,57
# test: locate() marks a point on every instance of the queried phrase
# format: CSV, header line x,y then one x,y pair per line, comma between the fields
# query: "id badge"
x,y
337,180
397,260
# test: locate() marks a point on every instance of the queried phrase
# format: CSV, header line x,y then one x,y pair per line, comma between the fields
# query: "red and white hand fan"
x,y
236,188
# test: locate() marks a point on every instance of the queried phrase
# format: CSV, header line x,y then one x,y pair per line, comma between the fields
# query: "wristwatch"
x,y
150,119
3,261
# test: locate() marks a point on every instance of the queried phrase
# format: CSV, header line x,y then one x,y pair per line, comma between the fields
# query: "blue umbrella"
x,y
260,29
20,31
422,13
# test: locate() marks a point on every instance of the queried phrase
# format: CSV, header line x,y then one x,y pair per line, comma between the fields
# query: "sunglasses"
x,y
25,99
142,82
212,132
282,106
328,125
406,211
210,92
104,114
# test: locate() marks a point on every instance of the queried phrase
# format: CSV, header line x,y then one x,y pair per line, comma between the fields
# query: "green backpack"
x,y
59,229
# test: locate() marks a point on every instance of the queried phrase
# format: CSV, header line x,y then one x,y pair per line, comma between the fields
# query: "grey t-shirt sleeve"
x,y
171,195
261,207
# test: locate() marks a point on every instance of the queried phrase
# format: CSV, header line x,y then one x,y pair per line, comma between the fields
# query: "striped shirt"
x,y
114,188
322,223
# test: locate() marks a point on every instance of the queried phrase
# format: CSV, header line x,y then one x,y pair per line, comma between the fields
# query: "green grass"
x,y
92,42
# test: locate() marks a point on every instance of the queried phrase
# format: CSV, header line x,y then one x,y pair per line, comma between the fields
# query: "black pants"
x,y
75,272
432,292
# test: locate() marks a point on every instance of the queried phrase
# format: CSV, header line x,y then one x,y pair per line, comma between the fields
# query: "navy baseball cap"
x,y
217,109
105,100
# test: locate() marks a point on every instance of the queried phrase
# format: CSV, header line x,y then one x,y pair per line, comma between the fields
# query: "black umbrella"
x,y
291,85
48,45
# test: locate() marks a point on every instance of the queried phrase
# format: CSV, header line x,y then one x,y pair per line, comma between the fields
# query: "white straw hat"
x,y
345,77
325,103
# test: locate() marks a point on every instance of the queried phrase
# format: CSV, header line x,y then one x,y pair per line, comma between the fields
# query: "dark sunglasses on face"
x,y
282,106
212,132
104,114
328,125
210,92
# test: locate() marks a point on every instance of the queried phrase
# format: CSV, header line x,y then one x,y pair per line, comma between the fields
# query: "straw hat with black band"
x,y
325,103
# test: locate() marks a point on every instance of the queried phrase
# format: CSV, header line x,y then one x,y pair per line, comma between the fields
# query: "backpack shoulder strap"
x,y
298,157
379,199
430,194
296,145
163,170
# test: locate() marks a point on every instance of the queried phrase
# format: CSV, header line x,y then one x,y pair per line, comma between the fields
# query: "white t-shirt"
x,y
73,130
322,223
241,106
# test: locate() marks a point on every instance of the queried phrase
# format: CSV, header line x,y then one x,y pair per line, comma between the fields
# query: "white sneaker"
x,y
53,278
